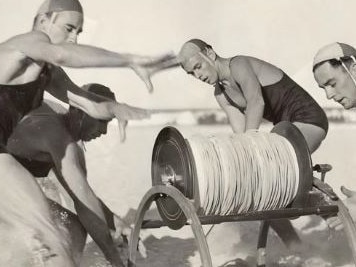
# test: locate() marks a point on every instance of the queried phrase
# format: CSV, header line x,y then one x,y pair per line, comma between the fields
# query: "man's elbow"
x,y
60,57
257,103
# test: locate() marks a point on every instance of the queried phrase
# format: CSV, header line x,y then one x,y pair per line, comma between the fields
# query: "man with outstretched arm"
x,y
29,64
47,138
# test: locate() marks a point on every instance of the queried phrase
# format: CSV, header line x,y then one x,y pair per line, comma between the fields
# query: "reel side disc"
x,y
296,138
172,165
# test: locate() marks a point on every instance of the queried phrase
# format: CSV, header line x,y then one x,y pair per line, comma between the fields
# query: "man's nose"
x,y
330,92
199,76
73,37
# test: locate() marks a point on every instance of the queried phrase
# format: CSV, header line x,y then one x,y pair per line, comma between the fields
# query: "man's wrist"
x,y
112,107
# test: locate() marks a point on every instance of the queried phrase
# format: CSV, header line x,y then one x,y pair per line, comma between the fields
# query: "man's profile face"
x,y
337,83
65,27
201,67
93,128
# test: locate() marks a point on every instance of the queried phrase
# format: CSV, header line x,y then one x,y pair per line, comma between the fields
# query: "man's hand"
x,y
146,67
123,232
145,74
124,113
350,203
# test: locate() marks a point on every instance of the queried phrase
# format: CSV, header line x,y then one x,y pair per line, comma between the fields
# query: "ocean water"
x,y
120,174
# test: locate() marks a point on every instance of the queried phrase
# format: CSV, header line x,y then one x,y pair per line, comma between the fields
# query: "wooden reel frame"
x,y
175,194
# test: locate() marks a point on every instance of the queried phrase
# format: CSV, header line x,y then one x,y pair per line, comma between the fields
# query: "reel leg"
x,y
261,245
188,210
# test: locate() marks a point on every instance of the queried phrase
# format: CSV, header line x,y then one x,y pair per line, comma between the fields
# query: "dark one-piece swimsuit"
x,y
16,101
287,101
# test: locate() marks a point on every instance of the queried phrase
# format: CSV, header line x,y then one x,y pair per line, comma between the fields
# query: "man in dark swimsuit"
x,y
40,141
334,69
249,89
30,63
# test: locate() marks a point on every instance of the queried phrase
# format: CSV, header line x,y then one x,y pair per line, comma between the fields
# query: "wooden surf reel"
x,y
174,163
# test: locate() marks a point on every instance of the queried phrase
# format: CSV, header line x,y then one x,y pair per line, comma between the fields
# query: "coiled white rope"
x,y
238,173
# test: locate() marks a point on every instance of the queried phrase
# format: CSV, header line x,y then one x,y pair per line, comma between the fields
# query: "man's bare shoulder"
x,y
46,122
42,130
24,38
240,61
20,57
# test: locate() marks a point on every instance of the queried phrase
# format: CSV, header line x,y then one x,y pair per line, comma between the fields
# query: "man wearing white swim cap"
x,y
249,89
29,64
60,5
334,69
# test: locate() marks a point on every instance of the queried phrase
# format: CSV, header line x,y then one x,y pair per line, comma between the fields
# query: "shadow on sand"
x,y
321,247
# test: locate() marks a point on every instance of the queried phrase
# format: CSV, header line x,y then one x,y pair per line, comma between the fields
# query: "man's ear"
x,y
44,20
210,53
353,69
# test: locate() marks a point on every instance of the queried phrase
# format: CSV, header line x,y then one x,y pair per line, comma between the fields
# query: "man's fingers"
x,y
127,112
149,85
139,113
347,192
126,231
122,130
142,249
333,222
339,227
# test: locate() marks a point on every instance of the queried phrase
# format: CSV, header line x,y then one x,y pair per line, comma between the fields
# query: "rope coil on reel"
x,y
246,172
232,174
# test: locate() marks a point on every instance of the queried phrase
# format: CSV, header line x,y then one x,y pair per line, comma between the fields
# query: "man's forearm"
x,y
81,56
101,108
254,116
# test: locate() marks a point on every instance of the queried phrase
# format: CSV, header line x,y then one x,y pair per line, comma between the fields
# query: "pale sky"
x,y
286,33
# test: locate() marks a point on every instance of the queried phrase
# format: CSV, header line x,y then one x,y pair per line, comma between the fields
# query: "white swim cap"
x,y
191,48
60,5
333,51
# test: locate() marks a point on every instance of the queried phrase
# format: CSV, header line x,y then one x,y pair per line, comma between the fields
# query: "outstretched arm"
x,y
99,107
71,172
37,46
244,75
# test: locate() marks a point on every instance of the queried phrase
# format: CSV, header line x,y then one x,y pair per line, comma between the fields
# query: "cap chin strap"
x,y
347,70
51,21
211,62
